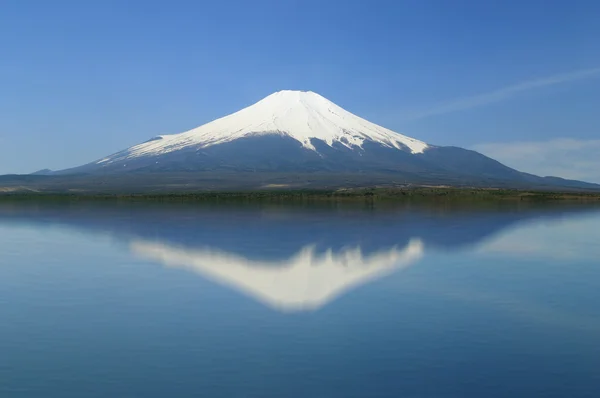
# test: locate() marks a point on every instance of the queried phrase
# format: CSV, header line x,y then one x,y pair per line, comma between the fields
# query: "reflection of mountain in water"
x,y
305,281
278,232
290,258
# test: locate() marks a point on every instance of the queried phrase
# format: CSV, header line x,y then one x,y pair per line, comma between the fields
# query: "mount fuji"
x,y
291,132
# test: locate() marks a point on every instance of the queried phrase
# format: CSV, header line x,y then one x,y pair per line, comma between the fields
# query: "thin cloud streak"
x,y
460,104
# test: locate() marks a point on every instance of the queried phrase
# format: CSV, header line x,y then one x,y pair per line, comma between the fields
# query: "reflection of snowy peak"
x,y
306,281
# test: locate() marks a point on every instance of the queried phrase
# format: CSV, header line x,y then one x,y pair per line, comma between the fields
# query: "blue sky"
x,y
82,79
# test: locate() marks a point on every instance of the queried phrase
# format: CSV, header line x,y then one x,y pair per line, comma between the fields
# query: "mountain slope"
x,y
303,132
287,129
301,116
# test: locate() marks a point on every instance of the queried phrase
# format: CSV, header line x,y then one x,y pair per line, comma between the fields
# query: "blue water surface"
x,y
190,300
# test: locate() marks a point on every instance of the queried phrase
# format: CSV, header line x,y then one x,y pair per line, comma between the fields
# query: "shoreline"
x,y
355,194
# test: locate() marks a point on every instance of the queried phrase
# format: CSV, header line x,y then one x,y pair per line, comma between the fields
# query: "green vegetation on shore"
x,y
379,194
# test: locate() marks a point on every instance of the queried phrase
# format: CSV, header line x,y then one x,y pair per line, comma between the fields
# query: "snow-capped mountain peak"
x,y
292,133
301,115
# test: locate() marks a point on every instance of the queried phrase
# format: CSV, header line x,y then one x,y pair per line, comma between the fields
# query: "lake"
x,y
137,299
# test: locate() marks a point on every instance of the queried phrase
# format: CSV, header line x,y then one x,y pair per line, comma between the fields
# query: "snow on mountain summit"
x,y
301,115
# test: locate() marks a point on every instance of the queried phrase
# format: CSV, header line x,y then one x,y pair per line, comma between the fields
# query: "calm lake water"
x,y
165,300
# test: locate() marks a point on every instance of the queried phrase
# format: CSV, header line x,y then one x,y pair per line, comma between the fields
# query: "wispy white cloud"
x,y
563,157
501,94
